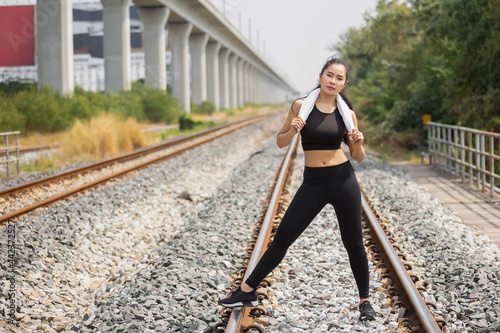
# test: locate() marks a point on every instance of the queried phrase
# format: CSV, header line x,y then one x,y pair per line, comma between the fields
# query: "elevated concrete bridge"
x,y
211,60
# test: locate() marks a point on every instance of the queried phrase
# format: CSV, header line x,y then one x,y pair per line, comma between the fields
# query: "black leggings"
x,y
338,186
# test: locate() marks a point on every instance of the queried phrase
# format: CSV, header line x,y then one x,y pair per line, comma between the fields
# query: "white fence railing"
x,y
6,151
470,154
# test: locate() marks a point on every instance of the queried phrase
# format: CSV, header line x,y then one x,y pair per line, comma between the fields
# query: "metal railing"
x,y
7,149
464,152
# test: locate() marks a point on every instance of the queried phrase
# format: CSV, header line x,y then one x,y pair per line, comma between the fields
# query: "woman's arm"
x,y
356,139
288,129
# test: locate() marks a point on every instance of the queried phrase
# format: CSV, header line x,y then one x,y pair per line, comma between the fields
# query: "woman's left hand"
x,y
356,137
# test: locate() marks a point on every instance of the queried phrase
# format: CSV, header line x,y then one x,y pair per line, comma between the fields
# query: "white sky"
x,y
298,33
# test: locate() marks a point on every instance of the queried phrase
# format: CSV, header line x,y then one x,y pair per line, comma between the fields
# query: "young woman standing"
x,y
328,178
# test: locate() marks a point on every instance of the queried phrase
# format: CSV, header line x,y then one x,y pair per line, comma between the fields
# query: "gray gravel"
x,y
71,253
187,276
461,266
153,252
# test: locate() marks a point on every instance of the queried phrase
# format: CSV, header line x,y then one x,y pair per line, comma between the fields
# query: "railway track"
x,y
402,287
21,199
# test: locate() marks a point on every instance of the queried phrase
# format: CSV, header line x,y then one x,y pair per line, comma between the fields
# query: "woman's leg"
x,y
306,204
346,199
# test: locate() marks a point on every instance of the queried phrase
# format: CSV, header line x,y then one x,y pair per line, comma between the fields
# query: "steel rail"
x,y
239,314
124,157
236,125
418,304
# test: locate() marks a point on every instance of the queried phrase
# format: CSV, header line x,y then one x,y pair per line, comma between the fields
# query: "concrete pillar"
x,y
246,83
251,97
259,87
154,21
239,65
224,78
255,86
197,46
55,45
116,39
264,88
233,82
179,34
213,73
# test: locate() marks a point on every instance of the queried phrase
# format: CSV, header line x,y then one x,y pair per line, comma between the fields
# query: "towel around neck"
x,y
344,109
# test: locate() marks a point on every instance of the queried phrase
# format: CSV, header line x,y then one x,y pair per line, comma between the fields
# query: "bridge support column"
x,y
251,91
180,63
154,21
198,45
55,45
264,88
240,64
267,89
256,83
213,73
246,83
233,82
116,18
224,78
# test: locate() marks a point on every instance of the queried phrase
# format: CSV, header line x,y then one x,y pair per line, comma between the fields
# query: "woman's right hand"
x,y
298,123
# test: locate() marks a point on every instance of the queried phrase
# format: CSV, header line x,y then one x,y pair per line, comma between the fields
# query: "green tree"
x,y
426,56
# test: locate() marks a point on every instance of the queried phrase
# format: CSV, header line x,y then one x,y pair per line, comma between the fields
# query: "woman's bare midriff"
x,y
324,158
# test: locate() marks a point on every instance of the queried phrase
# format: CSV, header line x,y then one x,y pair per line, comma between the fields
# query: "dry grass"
x,y
102,137
38,139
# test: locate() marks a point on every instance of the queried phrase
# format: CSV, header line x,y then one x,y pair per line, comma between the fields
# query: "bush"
x,y
102,137
128,104
47,111
13,87
158,105
79,107
186,123
10,118
207,107
44,111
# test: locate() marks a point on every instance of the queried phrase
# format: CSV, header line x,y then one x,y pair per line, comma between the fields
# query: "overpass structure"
x,y
211,59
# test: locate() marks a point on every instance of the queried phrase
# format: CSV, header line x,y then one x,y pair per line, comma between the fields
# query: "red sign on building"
x,y
17,36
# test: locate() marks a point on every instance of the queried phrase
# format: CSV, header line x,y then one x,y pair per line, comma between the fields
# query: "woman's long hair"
x,y
337,60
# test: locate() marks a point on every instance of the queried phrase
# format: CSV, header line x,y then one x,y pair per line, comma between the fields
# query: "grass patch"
x,y
172,133
388,154
396,148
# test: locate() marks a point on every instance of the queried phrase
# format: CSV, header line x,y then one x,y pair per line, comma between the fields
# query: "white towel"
x,y
345,111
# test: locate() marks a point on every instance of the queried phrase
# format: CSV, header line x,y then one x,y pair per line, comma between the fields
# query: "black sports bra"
x,y
323,131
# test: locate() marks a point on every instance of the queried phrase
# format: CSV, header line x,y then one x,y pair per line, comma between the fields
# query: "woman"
x,y
328,178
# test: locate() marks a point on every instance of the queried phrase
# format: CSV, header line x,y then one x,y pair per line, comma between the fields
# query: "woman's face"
x,y
333,79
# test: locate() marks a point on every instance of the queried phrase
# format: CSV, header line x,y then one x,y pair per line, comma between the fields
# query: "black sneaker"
x,y
240,298
367,312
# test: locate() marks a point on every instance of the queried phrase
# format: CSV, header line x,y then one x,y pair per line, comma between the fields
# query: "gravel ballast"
x,y
153,252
